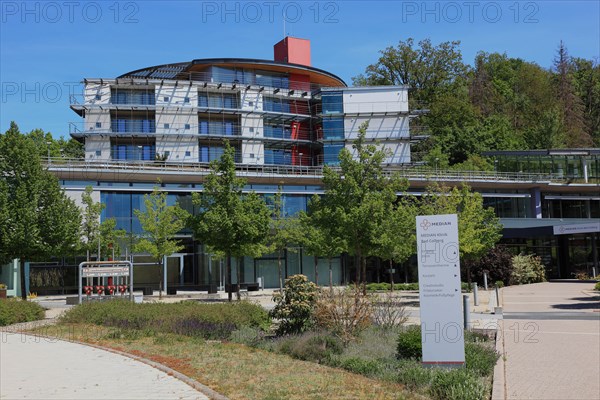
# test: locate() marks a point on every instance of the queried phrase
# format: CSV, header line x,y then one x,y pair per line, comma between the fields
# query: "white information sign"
x,y
442,332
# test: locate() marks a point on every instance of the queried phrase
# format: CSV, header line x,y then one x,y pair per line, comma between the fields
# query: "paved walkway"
x,y
39,368
550,340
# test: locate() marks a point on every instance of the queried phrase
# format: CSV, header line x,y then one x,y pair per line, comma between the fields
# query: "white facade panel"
x,y
253,152
179,149
181,95
251,99
97,148
375,100
96,93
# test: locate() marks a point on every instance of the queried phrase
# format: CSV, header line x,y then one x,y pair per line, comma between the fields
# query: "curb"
x,y
205,390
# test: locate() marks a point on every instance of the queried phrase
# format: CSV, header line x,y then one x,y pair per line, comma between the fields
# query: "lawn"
x,y
234,370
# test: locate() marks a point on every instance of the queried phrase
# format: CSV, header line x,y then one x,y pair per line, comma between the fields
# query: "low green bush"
x,y
527,269
247,335
310,346
409,343
597,286
386,286
480,358
294,307
357,365
211,321
499,284
13,311
457,384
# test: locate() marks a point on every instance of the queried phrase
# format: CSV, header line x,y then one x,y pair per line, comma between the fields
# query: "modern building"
x,y
286,119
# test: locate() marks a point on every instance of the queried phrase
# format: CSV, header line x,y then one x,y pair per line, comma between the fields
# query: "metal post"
x,y
594,272
475,295
485,285
497,297
79,284
467,312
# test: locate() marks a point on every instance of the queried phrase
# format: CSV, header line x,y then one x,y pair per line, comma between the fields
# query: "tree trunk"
x,y
23,286
364,275
357,267
391,277
279,271
317,271
237,286
330,275
161,268
228,278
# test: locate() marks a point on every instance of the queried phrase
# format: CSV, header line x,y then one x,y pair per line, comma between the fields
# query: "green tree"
x,y
160,223
360,197
478,227
427,69
231,222
320,236
39,219
396,239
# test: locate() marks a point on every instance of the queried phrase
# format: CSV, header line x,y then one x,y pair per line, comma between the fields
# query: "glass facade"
x,y
278,156
331,153
509,207
276,104
333,128
218,100
224,127
124,125
571,208
132,96
332,103
133,151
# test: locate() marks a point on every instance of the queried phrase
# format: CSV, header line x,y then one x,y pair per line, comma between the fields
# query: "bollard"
x,y
485,281
497,297
475,295
594,273
467,312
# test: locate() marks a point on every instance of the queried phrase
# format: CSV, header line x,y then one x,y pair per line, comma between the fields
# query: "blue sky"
x,y
46,47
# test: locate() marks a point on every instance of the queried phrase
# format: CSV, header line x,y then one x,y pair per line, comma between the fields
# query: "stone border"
x,y
205,390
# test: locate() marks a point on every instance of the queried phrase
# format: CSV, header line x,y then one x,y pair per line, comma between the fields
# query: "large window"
x,y
273,129
125,125
278,156
276,104
333,128
218,100
132,96
125,149
332,103
331,153
224,127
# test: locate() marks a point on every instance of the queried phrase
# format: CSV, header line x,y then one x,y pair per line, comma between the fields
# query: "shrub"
x,y
457,384
527,269
13,311
597,286
210,321
480,358
345,313
295,305
311,346
409,343
497,263
499,284
361,366
397,286
414,376
247,335
388,312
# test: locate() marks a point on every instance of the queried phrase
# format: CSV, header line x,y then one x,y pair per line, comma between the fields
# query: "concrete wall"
x,y
94,144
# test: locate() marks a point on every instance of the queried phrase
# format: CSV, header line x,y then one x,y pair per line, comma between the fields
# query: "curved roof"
x,y
182,70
